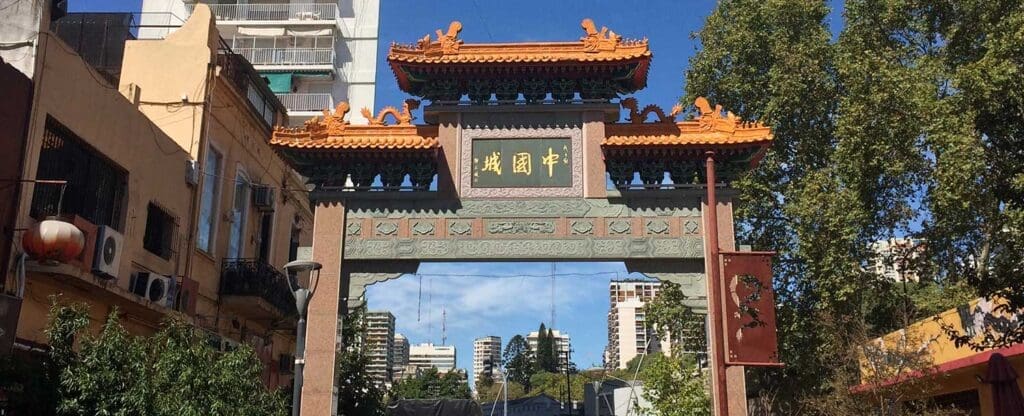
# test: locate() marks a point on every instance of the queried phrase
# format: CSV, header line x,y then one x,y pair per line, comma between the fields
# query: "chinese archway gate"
x,y
522,156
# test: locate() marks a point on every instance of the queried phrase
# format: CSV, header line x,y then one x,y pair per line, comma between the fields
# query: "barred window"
x,y
95,187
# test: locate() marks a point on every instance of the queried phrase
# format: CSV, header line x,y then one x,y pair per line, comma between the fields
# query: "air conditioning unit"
x,y
192,172
263,198
152,287
107,259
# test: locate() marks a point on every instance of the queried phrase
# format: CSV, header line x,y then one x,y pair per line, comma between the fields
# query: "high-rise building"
x,y
894,258
441,357
314,54
400,351
628,332
380,343
486,356
562,346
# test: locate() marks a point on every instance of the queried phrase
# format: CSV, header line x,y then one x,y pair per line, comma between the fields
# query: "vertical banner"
x,y
749,306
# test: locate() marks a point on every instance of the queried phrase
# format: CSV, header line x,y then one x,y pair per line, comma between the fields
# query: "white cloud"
x,y
481,304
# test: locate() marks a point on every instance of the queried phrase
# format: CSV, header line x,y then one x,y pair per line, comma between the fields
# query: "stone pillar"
x,y
324,324
594,182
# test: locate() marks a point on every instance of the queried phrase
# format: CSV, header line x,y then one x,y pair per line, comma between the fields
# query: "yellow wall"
x,y
942,351
145,128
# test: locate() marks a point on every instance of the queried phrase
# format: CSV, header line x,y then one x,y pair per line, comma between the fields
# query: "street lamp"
x,y
302,296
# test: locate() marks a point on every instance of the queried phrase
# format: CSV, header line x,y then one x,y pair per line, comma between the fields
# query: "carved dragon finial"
x,y
404,118
447,42
711,119
596,41
637,116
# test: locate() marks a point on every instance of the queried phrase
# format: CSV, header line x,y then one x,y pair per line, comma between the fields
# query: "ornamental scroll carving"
x,y
521,227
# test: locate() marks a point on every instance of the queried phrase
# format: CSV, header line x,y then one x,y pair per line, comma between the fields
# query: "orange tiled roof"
x,y
595,46
333,132
710,127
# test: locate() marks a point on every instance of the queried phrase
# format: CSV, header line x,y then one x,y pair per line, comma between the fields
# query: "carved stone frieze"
x,y
533,248
619,227
423,228
657,226
354,228
521,227
582,227
691,227
460,228
525,208
386,228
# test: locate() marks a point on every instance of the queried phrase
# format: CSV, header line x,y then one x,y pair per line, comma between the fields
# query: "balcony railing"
x,y
306,101
251,277
274,12
287,56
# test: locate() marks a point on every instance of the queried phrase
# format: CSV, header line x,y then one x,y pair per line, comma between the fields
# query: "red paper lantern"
x,y
53,240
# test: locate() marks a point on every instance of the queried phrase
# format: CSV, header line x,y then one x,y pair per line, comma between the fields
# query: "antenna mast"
x,y
444,325
552,294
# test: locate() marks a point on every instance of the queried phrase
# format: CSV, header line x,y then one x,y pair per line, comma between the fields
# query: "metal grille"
x,y
95,187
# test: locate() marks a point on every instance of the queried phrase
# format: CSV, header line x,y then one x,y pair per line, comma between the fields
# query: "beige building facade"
x,y
179,190
486,356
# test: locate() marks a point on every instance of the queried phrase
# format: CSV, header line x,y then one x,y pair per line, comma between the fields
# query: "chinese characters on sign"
x,y
522,163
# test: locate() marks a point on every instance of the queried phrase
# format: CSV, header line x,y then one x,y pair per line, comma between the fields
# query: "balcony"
x,y
289,58
290,13
255,289
308,102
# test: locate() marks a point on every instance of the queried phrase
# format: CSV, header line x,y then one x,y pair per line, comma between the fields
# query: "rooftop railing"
x,y
287,56
311,12
306,101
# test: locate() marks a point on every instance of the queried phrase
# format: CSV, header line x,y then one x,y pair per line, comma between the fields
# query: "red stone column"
x,y
323,322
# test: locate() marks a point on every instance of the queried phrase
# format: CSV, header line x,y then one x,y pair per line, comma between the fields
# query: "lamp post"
x,y
302,296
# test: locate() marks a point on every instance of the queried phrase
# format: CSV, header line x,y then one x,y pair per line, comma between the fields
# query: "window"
x,y
266,235
159,235
239,213
95,187
212,168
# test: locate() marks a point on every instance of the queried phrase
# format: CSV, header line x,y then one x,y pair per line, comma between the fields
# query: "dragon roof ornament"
x,y
332,131
709,126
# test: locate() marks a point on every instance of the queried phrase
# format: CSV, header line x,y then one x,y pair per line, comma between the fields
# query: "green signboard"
x,y
522,163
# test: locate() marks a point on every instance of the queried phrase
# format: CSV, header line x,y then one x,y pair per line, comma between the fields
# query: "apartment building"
x,y
400,352
894,258
314,53
185,209
628,332
380,344
427,355
562,346
486,356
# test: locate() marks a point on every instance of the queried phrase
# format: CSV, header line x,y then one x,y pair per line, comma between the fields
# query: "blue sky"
x,y
478,306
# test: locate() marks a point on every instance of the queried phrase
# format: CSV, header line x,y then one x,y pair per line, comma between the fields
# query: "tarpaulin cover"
x,y
443,407
279,83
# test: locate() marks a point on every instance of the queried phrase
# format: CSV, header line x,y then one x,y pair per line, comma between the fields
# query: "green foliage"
x,y
668,315
174,372
518,361
675,387
358,394
493,392
547,359
907,125
430,384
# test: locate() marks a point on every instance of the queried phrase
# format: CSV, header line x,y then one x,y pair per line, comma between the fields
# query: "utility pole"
x,y
568,381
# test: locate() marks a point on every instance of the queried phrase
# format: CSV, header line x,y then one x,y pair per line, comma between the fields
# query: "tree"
x,y
518,361
675,386
669,316
547,359
430,384
905,126
175,372
358,393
